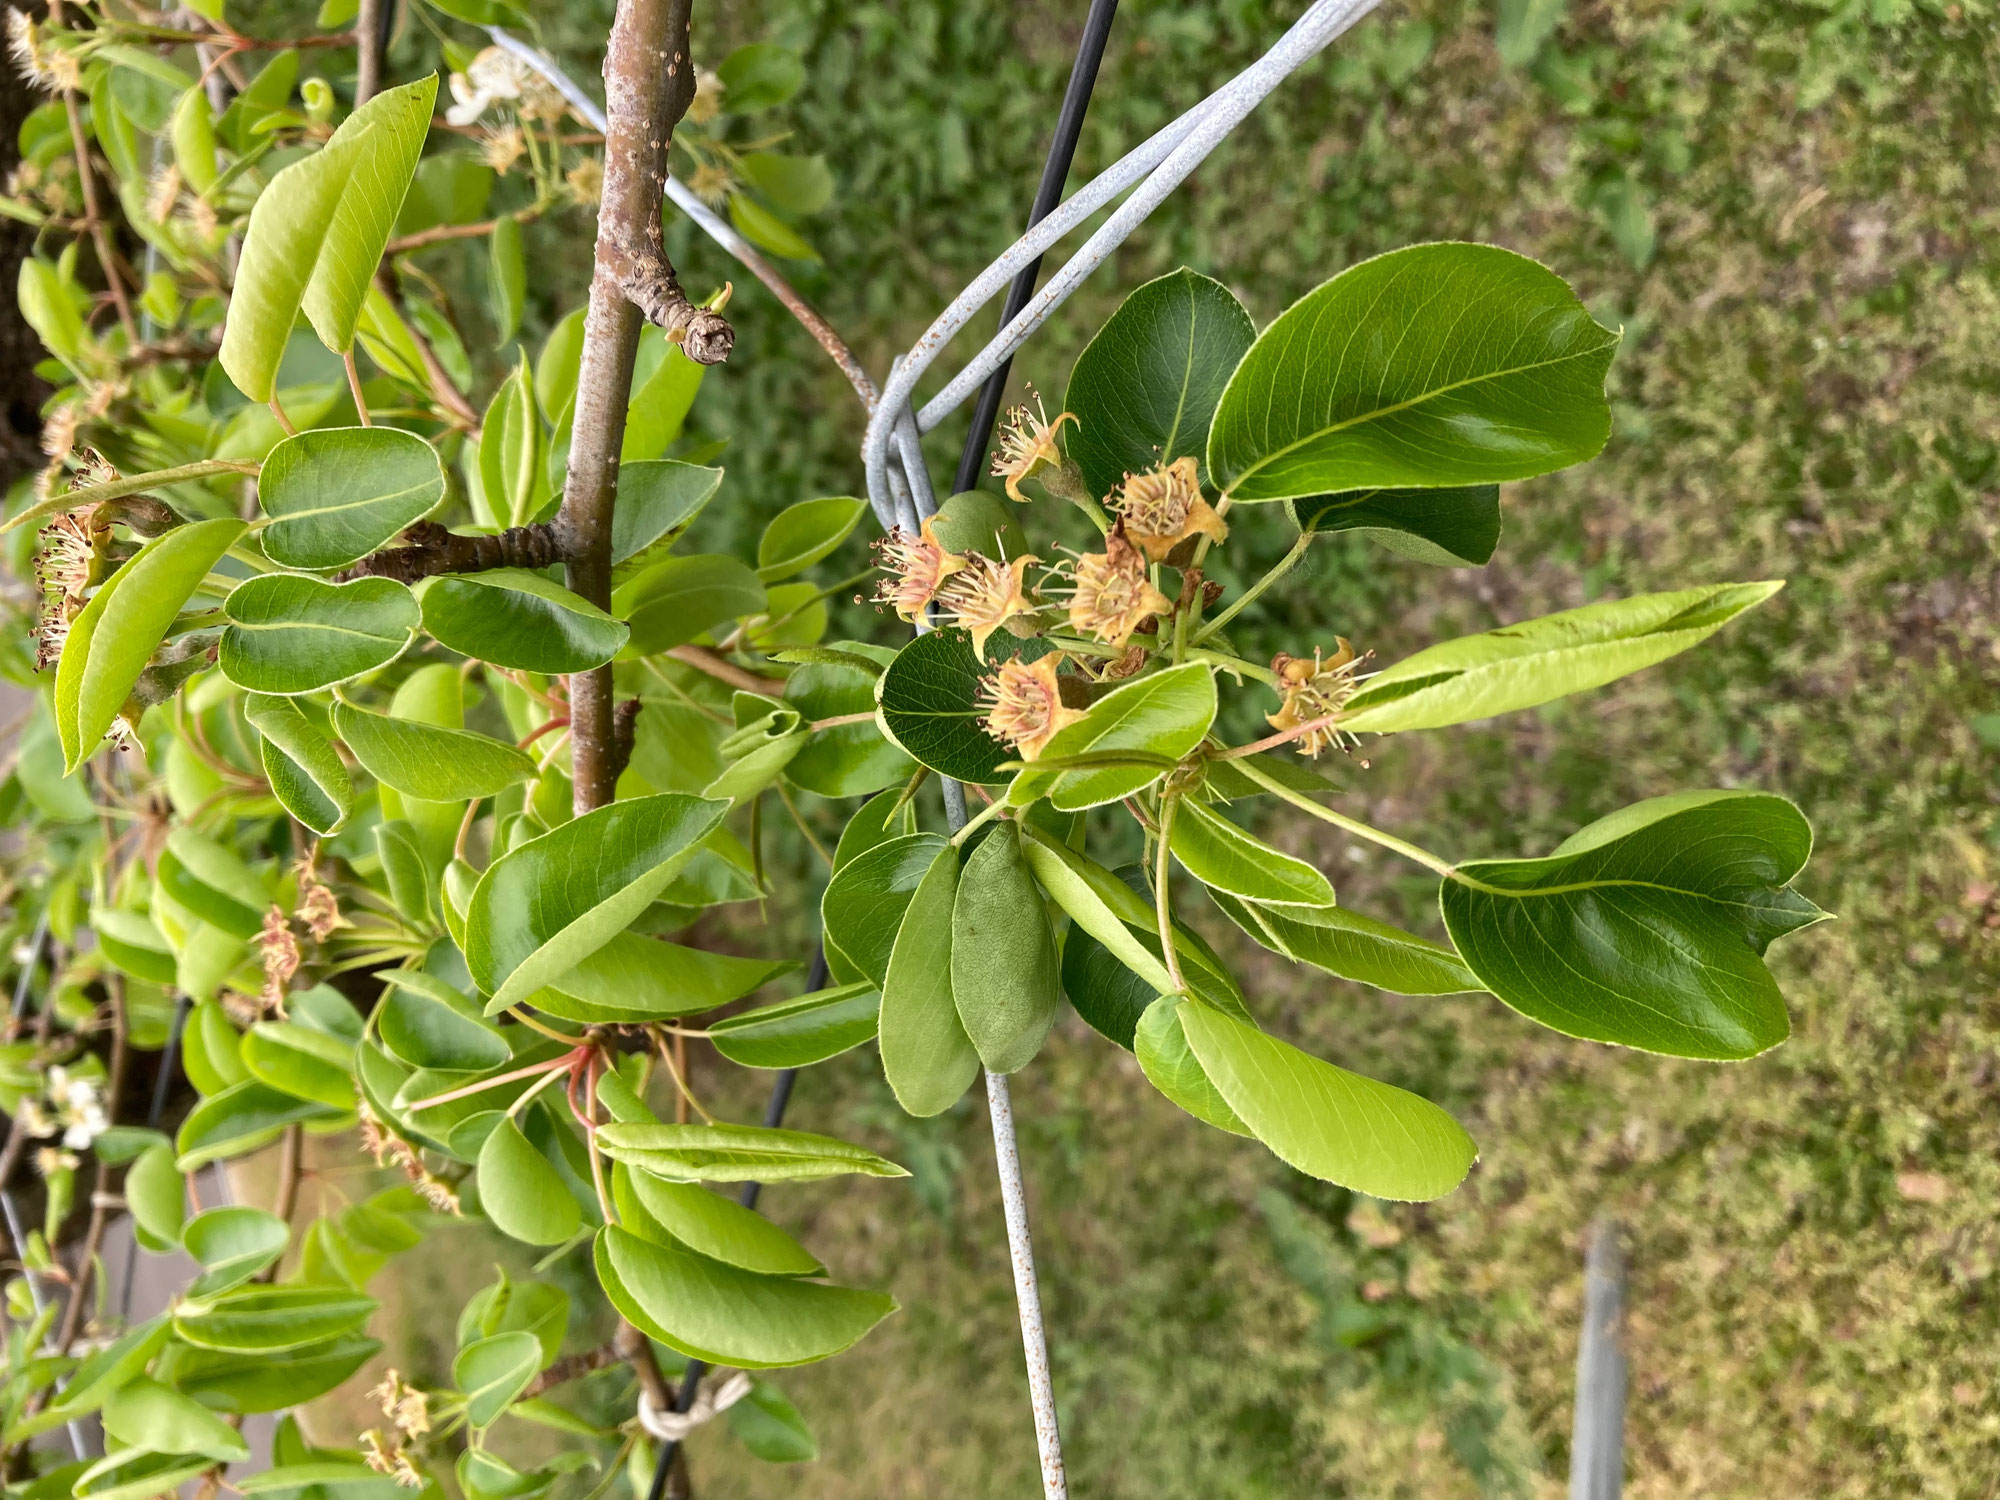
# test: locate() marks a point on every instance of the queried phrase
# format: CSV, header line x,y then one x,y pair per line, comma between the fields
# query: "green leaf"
x,y
863,905
211,1050
633,979
94,1381
799,1032
514,618
804,533
1436,365
156,1194
1144,389
737,1153
1161,718
1355,947
1224,857
926,1055
428,1024
760,76
847,760
1325,1121
726,1315
336,494
264,1319
124,1475
664,384
546,905
289,634
1648,927
506,276
797,185
771,1427
1005,972
522,1193
928,699
130,941
1520,666
715,1226
145,1414
657,499
232,1244
316,236
240,1119
887,815
510,450
213,883
297,1060
493,1371
508,1306
1524,26
1109,995
268,1381
110,642
1172,1068
979,521
424,761
306,773
767,231
674,601
1447,527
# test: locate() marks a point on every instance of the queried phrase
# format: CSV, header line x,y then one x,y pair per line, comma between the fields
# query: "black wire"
x,y
1062,150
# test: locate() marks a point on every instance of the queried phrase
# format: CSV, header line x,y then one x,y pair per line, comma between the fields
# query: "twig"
x,y
572,1367
103,1180
439,234
723,670
430,549
448,395
100,236
370,24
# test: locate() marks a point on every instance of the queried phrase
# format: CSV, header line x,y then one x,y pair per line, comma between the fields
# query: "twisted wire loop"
x,y
712,1402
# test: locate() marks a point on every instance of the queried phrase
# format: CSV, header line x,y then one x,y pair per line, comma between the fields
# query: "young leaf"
x,y
1145,387
316,236
232,1243
1327,1122
633,979
737,1153
1156,720
522,1193
299,1061
546,905
240,1119
336,494
674,601
156,1194
1648,927
209,880
143,1414
493,1371
798,1033
92,1383
506,276
306,773
1005,978
657,497
514,618
510,450
929,703
726,1315
1172,1068
133,944
428,1024
110,642
714,1226
267,1381
887,815
1520,666
863,905
804,533
771,1427
1449,527
1435,365
424,761
926,1055
1355,947
1225,858
267,1319
289,634
847,760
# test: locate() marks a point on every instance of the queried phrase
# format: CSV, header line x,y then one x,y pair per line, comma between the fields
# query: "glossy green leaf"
x,y
1520,666
674,601
1171,1066
657,498
800,535
493,1371
506,276
156,1195
547,905
726,1315
800,1032
1224,857
130,941
507,1306
717,1227
306,773
297,1060
145,1414
1448,364
847,760
1353,946
514,618
240,1119
929,703
664,384
317,232
290,634
510,450
117,632
1325,1121
1448,527
265,1319
211,1049
268,1380
232,1244
425,761
737,1153
100,1374
1005,972
1648,927
926,1055
428,1024
522,1193
887,815
211,880
1156,719
1109,995
771,1427
979,521
403,871
863,905
1144,389
633,979
336,494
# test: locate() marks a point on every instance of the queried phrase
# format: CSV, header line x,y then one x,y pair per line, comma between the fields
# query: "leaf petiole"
x,y
1354,826
1277,570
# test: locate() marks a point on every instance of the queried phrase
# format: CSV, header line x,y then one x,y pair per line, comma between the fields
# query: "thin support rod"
x,y
1055,172
1027,1291
1597,1442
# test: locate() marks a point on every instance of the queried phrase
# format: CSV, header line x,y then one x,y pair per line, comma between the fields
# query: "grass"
x,y
1794,211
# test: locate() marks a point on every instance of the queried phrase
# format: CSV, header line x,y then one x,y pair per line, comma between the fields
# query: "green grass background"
x,y
1793,209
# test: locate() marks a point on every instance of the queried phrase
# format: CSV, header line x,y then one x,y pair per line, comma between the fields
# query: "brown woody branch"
x,y
429,549
572,1367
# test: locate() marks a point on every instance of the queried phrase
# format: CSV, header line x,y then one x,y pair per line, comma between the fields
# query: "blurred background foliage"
x,y
1793,208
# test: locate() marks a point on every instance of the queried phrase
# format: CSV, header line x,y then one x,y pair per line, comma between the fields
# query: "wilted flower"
x,y
503,147
711,184
586,181
1164,507
319,910
50,1160
916,568
66,564
1023,703
389,1458
403,1404
163,192
279,951
707,101
497,76
1314,689
38,58
1111,596
986,595
1027,441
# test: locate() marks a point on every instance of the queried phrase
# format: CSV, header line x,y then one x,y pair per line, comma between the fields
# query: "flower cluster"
x,y
72,1105
497,76
1315,690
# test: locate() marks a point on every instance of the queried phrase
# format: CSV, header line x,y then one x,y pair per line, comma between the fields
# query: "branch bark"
x,y
429,549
